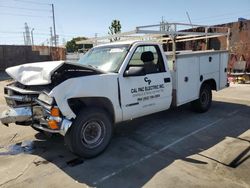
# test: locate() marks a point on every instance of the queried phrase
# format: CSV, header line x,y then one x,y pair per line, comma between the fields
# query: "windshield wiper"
x,y
93,66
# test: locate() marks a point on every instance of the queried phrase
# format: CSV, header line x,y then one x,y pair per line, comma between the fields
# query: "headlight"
x,y
45,98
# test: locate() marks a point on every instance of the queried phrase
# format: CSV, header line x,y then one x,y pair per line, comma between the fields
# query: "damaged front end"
x,y
31,105
28,97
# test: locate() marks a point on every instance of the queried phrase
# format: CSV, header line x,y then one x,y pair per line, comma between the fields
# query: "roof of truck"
x,y
118,42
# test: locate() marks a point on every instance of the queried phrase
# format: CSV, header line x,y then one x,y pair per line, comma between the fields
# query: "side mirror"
x,y
134,71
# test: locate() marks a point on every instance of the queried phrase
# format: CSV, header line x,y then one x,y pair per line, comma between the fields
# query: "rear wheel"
x,y
203,103
90,133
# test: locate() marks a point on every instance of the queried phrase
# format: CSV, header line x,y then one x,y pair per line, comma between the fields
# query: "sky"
x,y
86,17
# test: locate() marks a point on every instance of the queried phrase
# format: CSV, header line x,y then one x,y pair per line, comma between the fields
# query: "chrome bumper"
x,y
25,114
65,125
14,115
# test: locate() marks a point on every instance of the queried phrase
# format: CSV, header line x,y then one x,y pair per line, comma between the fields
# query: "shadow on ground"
x,y
143,147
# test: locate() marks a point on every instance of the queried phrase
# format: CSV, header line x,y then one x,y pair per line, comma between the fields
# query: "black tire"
x,y
203,103
90,133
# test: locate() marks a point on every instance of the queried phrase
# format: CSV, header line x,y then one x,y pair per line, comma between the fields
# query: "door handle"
x,y
166,80
186,79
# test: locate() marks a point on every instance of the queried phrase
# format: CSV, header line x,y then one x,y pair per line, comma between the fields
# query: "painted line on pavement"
x,y
155,152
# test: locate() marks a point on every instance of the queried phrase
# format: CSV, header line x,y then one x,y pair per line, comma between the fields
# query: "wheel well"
x,y
76,104
211,83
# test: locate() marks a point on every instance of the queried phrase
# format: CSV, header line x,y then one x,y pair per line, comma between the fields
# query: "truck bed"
x,y
192,68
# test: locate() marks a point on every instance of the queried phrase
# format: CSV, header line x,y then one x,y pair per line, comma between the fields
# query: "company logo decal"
x,y
147,80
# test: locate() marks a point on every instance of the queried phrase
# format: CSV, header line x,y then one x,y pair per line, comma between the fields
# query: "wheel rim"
x,y
93,133
204,98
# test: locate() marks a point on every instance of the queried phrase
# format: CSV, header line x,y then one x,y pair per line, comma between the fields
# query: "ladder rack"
x,y
169,33
165,33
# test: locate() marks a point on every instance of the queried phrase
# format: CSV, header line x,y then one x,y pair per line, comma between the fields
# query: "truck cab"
x,y
145,81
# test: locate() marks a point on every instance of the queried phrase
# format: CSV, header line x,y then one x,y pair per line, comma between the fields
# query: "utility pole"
x,y
54,24
51,37
32,38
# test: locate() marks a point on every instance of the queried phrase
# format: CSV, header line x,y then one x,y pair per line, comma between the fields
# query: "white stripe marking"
x,y
155,153
233,112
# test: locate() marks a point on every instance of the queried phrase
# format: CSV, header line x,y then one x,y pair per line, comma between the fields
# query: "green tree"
x,y
71,45
115,28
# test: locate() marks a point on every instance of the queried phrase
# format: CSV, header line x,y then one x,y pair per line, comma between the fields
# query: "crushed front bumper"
x,y
16,115
65,125
27,115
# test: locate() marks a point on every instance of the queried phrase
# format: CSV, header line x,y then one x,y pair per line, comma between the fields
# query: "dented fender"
x,y
103,85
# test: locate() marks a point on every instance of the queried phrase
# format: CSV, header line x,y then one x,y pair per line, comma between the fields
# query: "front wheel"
x,y
90,133
203,103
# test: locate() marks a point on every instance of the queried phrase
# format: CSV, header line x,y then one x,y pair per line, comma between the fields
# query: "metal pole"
x,y
206,31
51,37
173,37
24,38
32,39
54,24
228,38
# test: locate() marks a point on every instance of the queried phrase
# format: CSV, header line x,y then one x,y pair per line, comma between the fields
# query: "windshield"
x,y
105,58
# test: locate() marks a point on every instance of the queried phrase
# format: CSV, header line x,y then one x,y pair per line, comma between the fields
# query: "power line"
x,y
32,2
25,15
19,32
39,33
219,19
11,37
21,36
22,8
222,15
218,16
10,32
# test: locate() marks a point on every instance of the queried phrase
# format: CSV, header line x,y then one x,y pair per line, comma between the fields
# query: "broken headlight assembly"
x,y
46,98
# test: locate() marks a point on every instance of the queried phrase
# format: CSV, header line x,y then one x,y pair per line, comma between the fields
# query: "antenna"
x,y
54,25
189,18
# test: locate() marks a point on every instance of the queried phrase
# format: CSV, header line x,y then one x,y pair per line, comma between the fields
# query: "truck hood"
x,y
43,73
34,73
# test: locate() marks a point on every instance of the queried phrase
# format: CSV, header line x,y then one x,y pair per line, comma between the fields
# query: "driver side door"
x,y
145,92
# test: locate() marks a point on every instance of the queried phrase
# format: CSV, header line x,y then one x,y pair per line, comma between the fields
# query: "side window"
x,y
148,57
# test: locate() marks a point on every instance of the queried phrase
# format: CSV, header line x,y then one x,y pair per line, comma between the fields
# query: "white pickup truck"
x,y
111,83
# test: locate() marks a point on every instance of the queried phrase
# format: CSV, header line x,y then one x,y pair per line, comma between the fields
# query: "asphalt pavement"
x,y
174,148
